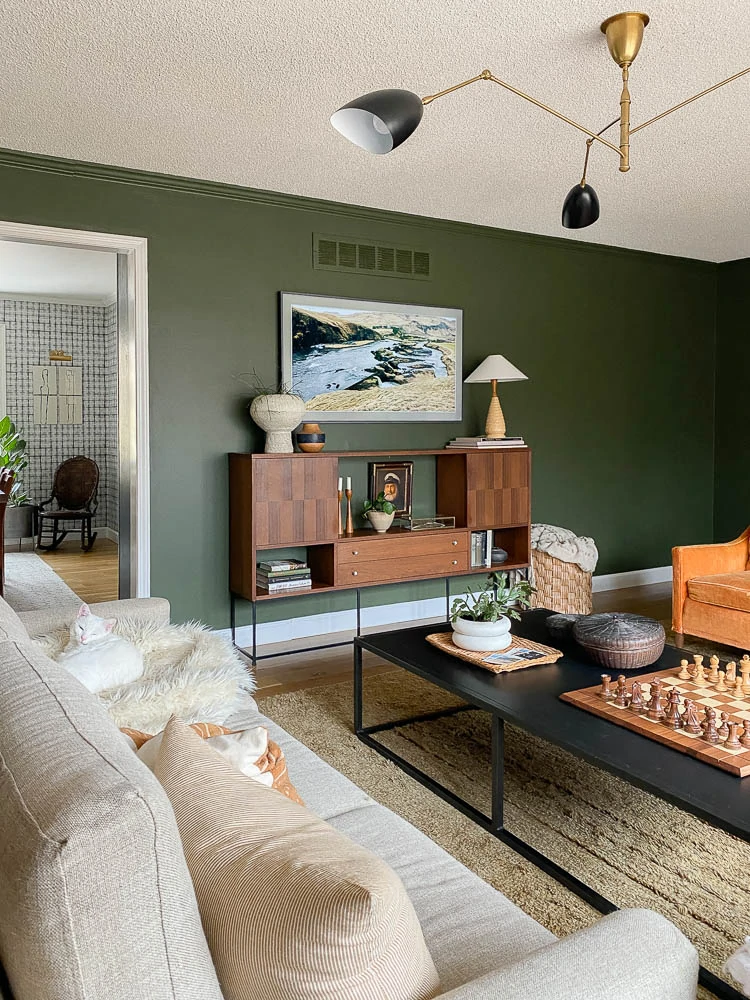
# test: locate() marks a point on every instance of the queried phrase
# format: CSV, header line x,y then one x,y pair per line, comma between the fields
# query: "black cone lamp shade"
x,y
380,121
580,208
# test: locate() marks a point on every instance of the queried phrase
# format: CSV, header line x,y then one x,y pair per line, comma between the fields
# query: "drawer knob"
x,y
355,552
455,562
355,573
454,542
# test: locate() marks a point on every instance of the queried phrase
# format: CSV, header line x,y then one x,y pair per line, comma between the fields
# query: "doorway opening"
x,y
73,381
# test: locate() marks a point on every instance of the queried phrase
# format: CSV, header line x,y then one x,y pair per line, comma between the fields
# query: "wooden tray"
x,y
444,641
738,709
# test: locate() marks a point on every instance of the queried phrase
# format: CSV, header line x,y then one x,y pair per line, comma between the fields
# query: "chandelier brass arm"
x,y
380,121
695,97
488,75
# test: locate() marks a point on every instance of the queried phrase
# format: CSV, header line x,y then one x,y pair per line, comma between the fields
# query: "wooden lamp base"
x,y
495,424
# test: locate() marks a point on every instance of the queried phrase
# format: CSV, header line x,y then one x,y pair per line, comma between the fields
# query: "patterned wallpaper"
x,y
89,334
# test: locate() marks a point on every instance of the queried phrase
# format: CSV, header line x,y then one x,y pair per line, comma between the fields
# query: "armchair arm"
x,y
689,561
152,609
629,954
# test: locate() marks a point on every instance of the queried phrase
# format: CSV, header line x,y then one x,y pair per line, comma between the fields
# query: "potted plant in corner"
x,y
481,620
19,514
379,512
276,409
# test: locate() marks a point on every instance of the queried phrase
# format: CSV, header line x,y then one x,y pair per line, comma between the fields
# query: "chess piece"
x,y
690,720
723,729
656,702
720,685
731,672
710,734
605,691
732,742
672,716
636,697
713,671
738,686
745,738
697,659
621,698
699,674
745,674
684,673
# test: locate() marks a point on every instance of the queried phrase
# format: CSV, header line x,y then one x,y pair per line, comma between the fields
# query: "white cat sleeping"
x,y
96,657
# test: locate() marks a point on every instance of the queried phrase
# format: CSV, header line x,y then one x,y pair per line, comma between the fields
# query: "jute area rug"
x,y
635,849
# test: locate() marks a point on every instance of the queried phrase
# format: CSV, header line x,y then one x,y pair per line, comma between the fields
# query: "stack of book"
x,y
481,548
486,442
277,575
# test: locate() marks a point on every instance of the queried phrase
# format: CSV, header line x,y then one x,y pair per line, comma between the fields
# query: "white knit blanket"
x,y
563,544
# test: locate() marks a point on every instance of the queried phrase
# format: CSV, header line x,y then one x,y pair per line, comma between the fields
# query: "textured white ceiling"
x,y
242,92
57,273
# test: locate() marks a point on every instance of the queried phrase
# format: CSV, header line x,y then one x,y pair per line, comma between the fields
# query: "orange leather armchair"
x,y
711,591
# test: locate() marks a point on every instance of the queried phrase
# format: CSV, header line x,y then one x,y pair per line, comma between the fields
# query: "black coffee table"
x,y
529,700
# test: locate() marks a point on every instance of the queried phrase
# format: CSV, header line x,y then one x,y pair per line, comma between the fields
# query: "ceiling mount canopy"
x,y
382,120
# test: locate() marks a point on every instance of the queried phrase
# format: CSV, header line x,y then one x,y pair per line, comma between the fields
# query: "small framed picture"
x,y
394,479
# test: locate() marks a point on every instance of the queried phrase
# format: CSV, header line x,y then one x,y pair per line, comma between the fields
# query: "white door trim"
x,y
135,249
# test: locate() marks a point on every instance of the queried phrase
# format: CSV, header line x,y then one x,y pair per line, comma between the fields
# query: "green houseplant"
x,y
481,620
379,512
19,513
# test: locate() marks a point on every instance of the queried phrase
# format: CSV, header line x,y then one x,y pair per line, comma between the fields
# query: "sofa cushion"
x,y
11,627
95,896
725,590
291,908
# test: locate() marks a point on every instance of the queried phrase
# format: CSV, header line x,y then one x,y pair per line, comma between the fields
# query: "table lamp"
x,y
495,368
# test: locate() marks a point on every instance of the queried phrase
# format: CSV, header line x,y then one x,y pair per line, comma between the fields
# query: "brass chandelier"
x,y
382,120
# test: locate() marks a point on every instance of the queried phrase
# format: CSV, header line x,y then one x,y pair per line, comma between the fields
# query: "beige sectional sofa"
x,y
96,902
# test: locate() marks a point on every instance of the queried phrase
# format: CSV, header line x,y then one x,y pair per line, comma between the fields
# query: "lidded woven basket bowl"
x,y
620,641
560,626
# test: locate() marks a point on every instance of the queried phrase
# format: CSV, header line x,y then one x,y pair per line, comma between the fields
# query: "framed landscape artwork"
x,y
355,360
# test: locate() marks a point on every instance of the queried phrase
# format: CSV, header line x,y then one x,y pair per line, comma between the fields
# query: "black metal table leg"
x,y
498,772
357,688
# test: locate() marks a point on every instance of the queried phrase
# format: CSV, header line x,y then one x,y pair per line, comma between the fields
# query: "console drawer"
x,y
411,545
390,570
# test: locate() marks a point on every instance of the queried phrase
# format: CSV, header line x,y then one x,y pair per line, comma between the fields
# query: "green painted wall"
x,y
732,504
618,346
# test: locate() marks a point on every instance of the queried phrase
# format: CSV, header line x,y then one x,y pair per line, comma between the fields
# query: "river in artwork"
x,y
327,369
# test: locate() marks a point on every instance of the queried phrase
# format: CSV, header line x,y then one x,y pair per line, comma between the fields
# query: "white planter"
x,y
482,637
278,415
380,521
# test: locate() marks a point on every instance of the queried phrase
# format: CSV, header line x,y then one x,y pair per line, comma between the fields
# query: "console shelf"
x,y
290,501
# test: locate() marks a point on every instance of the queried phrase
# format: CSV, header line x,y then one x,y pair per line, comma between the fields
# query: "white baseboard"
x,y
110,533
633,578
406,611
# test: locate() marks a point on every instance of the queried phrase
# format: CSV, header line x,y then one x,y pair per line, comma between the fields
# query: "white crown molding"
x,y
63,300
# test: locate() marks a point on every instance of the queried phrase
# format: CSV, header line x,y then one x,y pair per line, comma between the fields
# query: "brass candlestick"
x,y
349,521
340,496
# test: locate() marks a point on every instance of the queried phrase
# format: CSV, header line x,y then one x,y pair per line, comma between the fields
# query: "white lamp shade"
x,y
496,367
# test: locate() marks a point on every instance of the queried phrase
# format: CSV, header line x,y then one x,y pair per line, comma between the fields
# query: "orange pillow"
x,y
272,762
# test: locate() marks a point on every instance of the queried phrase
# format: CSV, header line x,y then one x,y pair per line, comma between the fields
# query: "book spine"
x,y
488,548
280,566
275,588
289,574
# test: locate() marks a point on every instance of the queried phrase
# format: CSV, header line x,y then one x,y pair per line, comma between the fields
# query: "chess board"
x,y
737,708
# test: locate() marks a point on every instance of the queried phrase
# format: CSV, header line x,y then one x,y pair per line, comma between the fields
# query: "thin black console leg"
x,y
254,657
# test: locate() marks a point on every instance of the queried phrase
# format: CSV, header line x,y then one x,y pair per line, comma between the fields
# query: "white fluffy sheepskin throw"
x,y
191,672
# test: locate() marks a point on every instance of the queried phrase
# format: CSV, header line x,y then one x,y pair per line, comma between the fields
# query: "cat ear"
x,y
84,611
109,624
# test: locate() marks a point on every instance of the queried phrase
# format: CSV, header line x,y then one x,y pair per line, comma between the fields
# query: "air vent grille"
x,y
337,253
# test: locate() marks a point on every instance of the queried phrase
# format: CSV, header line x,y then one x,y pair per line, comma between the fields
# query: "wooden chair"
x,y
6,483
74,492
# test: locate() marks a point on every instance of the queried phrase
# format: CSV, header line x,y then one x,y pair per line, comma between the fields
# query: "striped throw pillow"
x,y
291,908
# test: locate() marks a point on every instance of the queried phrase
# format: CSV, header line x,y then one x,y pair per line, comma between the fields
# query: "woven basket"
x,y
560,586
